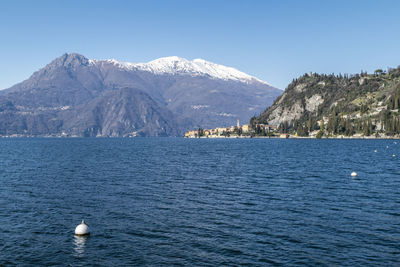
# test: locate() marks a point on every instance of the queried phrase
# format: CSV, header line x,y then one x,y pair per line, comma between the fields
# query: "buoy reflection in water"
x,y
79,245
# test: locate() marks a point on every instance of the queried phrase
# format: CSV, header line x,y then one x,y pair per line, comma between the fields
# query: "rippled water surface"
x,y
174,201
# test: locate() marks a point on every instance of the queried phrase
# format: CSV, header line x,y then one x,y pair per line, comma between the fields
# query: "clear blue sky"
x,y
272,40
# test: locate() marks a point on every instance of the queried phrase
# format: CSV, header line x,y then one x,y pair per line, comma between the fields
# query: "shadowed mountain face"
x,y
75,96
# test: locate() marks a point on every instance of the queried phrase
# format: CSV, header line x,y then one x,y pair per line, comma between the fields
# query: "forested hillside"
x,y
332,105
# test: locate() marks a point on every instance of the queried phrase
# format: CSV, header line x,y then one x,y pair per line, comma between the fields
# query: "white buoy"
x,y
375,150
393,155
353,174
82,229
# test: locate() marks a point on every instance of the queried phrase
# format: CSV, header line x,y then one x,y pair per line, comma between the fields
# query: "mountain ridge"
x,y
172,101
178,65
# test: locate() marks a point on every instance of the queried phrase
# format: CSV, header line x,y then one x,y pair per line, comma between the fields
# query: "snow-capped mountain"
x,y
180,66
75,96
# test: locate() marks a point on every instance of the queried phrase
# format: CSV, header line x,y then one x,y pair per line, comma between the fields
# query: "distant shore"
x,y
211,137
297,137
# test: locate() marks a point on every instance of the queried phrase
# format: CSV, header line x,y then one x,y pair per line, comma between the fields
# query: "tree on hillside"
x,y
253,122
200,132
284,127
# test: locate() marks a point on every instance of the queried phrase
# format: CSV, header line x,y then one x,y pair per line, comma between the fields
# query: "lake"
x,y
200,202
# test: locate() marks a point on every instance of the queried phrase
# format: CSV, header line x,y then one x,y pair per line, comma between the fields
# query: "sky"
x,y
276,41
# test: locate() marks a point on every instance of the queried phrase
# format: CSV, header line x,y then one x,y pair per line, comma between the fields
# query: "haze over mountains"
x,y
76,96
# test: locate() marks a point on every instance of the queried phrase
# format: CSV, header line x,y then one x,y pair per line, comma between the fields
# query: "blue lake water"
x,y
200,202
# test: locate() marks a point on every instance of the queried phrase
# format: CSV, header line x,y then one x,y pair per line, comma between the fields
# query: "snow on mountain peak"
x,y
181,66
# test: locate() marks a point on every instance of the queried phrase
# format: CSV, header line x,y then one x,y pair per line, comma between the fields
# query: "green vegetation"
x,y
332,105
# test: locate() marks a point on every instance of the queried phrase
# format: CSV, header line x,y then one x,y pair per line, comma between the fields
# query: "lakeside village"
x,y
257,130
238,131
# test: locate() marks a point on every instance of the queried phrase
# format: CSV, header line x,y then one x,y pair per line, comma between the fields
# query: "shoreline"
x,y
299,137
207,137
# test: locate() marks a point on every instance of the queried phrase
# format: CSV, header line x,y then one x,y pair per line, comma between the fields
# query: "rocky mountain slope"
x,y
76,96
363,104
